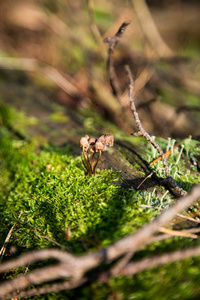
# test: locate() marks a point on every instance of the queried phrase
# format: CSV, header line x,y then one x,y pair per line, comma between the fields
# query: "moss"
x,y
53,193
48,184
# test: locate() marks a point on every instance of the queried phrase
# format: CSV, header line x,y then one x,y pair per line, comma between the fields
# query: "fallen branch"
x,y
142,132
155,261
74,268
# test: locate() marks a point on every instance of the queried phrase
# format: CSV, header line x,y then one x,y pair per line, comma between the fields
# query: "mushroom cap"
x,y
99,146
92,141
84,143
109,139
102,139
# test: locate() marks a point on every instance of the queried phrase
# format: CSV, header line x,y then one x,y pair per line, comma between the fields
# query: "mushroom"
x,y
109,139
102,139
90,146
99,146
92,142
84,144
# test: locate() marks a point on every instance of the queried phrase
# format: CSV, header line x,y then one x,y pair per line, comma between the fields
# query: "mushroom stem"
x,y
84,161
92,158
94,167
88,160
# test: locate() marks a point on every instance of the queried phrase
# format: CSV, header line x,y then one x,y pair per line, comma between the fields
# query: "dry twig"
x,y
178,215
112,41
142,132
3,249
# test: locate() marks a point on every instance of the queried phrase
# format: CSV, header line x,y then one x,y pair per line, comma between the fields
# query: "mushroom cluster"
x,y
91,146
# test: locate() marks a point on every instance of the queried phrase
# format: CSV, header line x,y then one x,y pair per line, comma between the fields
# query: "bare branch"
x,y
178,215
112,41
178,233
155,261
49,288
140,238
74,267
142,132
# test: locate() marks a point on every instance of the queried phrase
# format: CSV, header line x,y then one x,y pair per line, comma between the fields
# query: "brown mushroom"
x,y
84,144
109,139
102,139
99,146
92,142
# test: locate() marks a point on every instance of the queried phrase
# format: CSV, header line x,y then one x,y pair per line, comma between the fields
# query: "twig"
x,y
178,215
52,241
3,249
155,261
178,233
162,237
142,132
46,237
121,264
49,288
112,41
148,176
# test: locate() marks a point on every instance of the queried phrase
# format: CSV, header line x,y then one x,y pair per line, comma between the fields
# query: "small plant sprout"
x,y
91,146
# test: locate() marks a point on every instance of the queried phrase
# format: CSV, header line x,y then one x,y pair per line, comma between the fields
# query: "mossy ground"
x,y
48,184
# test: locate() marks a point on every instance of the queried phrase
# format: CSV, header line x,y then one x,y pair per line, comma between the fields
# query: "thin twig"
x,y
178,233
178,215
162,237
121,264
155,261
49,288
52,241
142,132
112,41
3,249
148,176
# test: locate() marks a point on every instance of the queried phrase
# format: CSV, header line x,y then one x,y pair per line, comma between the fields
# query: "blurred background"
x,y
58,46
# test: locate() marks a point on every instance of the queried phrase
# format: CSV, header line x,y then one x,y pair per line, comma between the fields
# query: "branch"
x,y
74,267
49,288
112,41
155,261
142,132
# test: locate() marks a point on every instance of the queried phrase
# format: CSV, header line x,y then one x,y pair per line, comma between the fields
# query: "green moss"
x,y
48,184
53,193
